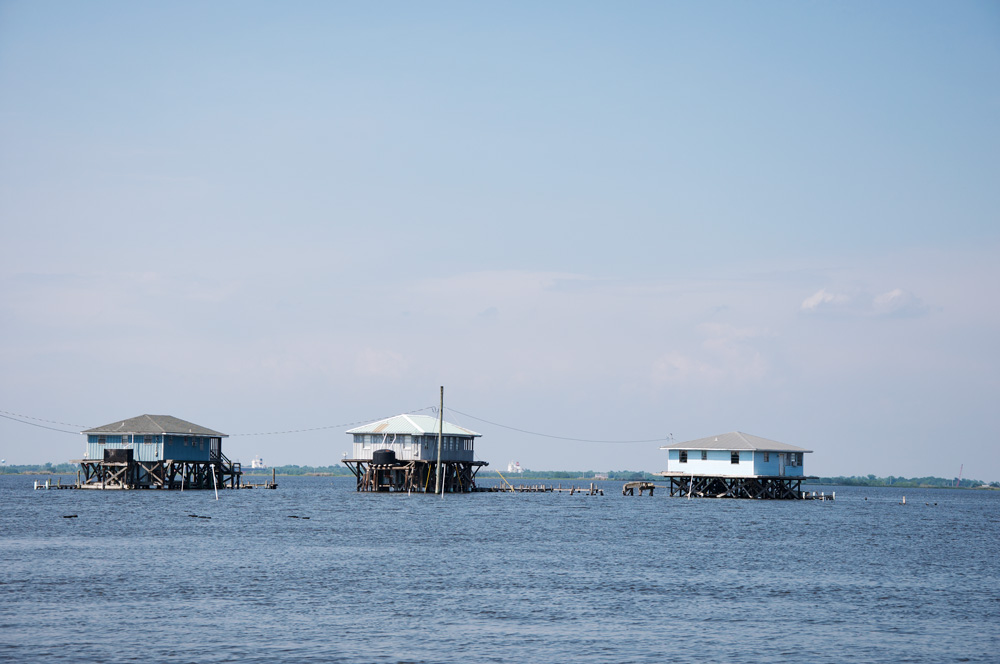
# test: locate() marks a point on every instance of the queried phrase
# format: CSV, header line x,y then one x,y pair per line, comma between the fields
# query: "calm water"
x,y
496,577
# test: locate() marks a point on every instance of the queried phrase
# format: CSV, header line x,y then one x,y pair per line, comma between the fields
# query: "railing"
x,y
224,461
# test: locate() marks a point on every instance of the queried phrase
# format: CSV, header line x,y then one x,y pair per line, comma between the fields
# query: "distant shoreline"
x,y
61,470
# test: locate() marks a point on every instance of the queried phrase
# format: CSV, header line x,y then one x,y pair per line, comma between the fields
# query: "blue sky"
x,y
591,220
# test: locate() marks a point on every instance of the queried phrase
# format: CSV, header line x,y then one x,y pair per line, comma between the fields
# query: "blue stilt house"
x,y
155,438
156,451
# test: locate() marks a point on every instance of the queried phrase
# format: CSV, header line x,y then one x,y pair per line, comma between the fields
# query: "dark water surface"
x,y
496,577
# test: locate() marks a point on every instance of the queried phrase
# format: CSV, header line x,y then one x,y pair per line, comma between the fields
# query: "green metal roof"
x,y
154,424
735,440
414,425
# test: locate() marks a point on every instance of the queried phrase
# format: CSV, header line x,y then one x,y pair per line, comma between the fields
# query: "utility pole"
x,y
437,484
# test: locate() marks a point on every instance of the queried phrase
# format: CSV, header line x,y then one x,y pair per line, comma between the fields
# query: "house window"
x,y
734,457
148,440
101,440
704,455
684,456
767,457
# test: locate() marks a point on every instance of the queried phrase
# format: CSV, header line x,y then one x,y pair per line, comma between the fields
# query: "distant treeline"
x,y
902,482
41,469
485,472
342,471
337,470
624,475
628,475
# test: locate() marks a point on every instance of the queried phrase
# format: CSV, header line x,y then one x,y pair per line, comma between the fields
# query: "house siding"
x,y
773,465
159,447
187,448
410,447
142,451
719,462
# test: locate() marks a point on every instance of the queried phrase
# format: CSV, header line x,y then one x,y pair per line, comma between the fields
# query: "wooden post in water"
x,y
437,487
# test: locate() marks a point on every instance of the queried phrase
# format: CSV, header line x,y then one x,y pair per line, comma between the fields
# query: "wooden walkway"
x,y
48,485
593,490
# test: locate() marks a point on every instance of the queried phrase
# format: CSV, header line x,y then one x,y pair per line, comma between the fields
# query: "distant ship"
x,y
514,467
257,463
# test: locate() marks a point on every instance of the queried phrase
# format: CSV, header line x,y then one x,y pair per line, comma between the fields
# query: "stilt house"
x,y
734,465
401,453
156,451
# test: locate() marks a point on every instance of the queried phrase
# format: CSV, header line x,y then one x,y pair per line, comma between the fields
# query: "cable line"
x,y
41,426
38,419
546,435
23,420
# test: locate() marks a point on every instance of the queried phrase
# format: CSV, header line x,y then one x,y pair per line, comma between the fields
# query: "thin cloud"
x,y
725,356
823,300
899,303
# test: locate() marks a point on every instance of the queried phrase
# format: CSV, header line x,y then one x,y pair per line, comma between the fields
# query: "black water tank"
x,y
383,457
117,455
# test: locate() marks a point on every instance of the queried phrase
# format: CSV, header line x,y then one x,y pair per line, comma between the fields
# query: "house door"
x,y
781,464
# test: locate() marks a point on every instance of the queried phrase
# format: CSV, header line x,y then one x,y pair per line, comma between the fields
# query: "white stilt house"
x,y
735,465
401,454
414,437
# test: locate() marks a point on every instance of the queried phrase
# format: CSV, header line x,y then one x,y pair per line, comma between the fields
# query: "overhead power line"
x,y
38,419
17,417
547,435
40,426
23,420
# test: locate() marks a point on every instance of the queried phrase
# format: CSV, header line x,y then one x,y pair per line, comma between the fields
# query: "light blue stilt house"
x,y
736,454
735,465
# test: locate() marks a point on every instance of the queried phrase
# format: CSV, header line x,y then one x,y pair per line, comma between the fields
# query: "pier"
x,y
593,490
630,488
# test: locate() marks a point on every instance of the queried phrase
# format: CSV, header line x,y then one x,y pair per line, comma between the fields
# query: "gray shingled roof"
x,y
153,424
414,425
735,440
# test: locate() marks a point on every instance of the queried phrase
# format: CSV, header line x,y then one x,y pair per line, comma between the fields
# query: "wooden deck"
x,y
414,476
167,474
